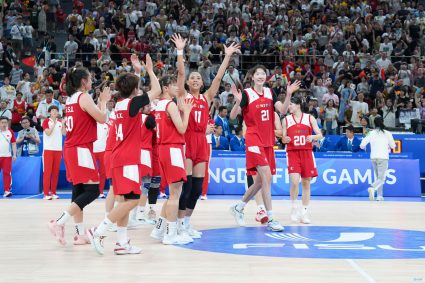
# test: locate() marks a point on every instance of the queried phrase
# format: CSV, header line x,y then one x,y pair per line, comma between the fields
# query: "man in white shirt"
x,y
17,32
231,76
386,46
225,93
360,109
383,62
71,48
52,152
43,107
195,51
7,155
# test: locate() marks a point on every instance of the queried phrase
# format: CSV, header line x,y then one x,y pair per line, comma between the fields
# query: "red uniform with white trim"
x,y
99,147
7,138
299,152
146,137
258,113
78,154
170,145
126,163
110,142
196,142
52,155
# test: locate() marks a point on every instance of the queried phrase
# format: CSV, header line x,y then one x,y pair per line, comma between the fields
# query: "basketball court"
x,y
350,240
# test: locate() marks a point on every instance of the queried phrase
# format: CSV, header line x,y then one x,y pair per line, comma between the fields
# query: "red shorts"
x,y
127,179
80,164
301,162
171,160
107,161
146,159
156,168
259,156
196,147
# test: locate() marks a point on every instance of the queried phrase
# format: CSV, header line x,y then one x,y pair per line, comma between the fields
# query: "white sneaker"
x,y
7,194
175,239
304,218
194,234
371,193
184,235
204,197
295,215
113,228
134,223
238,215
151,217
96,241
158,233
274,225
126,249
379,198
47,197
162,195
102,196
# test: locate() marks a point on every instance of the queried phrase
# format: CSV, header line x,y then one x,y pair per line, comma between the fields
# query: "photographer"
x,y
28,139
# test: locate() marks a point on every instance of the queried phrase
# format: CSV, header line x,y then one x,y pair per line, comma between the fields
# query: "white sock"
x,y
270,214
171,228
240,206
79,227
122,235
261,207
103,227
294,203
63,218
186,220
152,206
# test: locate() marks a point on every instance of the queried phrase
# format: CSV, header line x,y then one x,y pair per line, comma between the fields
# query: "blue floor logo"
x,y
315,242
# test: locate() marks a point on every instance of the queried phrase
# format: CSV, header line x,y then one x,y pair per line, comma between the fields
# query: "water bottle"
x,y
25,148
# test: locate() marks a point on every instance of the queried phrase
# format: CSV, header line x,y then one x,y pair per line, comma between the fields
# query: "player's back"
x,y
298,131
166,131
81,128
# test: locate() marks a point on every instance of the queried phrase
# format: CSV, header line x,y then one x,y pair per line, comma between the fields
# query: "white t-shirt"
x,y
195,53
380,143
102,133
6,138
358,108
54,141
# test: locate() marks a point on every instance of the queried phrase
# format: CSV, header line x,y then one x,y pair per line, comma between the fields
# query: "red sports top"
x,y
199,116
146,135
110,140
258,113
166,132
81,128
298,131
127,136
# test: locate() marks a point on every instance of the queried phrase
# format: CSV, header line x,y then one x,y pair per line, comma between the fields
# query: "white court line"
x,y
32,196
361,271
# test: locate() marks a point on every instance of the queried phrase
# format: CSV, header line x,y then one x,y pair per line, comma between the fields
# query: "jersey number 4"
x,y
299,140
119,133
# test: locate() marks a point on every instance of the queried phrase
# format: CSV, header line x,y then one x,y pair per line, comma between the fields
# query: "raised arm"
x,y
282,108
229,51
179,122
155,90
277,126
97,112
180,43
236,110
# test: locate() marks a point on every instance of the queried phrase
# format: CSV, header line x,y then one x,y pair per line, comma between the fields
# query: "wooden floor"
x,y
30,254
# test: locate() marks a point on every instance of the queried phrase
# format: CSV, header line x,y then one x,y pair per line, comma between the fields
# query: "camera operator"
x,y
28,139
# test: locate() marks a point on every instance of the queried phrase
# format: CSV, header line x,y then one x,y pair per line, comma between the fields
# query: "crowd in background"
x,y
356,60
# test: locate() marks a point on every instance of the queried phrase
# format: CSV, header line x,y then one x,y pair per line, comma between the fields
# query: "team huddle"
x,y
162,135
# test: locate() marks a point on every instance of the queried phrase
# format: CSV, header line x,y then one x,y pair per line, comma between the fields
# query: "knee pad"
x,y
77,190
155,182
187,188
90,193
249,180
195,193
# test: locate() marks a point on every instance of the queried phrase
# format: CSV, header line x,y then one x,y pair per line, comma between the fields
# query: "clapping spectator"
x,y
223,122
349,142
218,141
43,107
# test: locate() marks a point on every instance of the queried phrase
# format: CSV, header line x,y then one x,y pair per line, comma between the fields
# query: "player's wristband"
x,y
179,52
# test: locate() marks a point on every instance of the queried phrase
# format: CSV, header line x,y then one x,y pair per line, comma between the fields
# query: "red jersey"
x,y
110,140
81,128
298,132
21,107
258,113
199,116
127,139
166,132
146,135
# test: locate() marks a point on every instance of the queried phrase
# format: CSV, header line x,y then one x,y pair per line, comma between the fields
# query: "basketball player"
x,y
126,166
261,215
99,147
170,137
258,105
80,123
196,142
298,135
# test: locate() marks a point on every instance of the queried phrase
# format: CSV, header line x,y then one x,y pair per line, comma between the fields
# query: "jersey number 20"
x,y
299,140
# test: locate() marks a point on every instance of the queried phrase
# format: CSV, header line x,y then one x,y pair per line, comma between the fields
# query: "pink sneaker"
x,y
262,217
81,240
58,231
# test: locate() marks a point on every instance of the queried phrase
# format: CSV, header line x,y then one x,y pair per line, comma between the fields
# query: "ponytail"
x,y
74,78
379,123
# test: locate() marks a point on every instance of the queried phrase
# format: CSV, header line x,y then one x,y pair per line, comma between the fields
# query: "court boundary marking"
x,y
361,271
